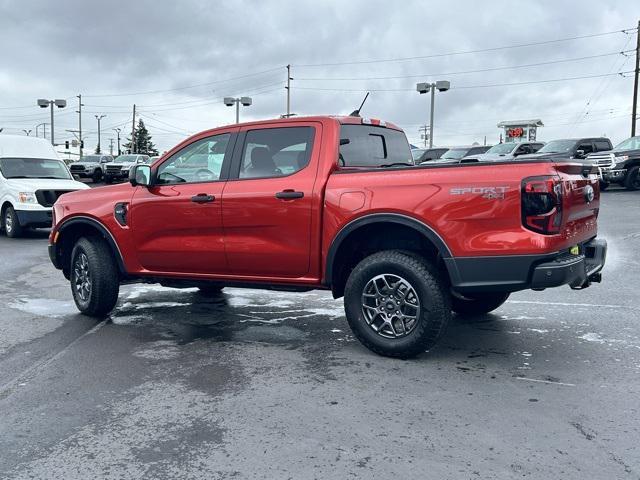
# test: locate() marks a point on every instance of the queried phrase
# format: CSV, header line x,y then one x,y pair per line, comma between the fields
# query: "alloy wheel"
x,y
82,277
390,306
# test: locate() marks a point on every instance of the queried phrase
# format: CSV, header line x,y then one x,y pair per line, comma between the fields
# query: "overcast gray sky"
x,y
175,60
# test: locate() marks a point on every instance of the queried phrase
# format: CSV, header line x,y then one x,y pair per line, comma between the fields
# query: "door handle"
x,y
289,194
203,198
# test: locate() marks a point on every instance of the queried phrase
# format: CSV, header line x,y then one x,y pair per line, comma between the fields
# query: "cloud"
x,y
61,49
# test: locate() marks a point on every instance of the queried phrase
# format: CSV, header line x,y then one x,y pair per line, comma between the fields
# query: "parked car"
x,y
91,166
119,168
620,165
334,203
508,151
571,149
432,154
416,153
32,178
456,154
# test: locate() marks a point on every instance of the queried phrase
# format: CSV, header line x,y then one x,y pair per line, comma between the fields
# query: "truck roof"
x,y
343,119
23,146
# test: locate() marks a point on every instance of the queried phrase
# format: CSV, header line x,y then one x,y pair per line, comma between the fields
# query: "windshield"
x,y
126,158
632,143
455,153
502,148
557,146
91,158
33,168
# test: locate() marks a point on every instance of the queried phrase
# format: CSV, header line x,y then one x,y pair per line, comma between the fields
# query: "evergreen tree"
x,y
143,143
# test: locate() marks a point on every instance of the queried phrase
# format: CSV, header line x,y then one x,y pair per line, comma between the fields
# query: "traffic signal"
x,y
81,143
66,144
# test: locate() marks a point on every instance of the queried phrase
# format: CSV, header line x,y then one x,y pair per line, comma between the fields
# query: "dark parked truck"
x,y
620,165
334,203
570,149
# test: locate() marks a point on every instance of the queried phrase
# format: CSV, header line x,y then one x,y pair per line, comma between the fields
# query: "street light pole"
x,y
230,101
441,86
117,130
99,118
44,103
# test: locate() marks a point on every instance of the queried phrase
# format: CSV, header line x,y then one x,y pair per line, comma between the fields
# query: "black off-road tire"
x,y
210,290
108,180
102,273
11,224
97,175
478,304
435,308
632,179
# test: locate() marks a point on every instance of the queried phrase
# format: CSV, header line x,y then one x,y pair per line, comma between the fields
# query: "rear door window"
x,y
276,152
371,146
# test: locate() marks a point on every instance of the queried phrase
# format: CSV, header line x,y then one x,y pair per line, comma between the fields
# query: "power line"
x,y
460,87
465,52
149,92
551,62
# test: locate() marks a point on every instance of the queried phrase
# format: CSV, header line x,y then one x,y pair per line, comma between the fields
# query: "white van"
x,y
32,177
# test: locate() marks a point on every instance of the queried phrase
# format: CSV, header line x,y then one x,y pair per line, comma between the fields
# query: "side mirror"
x,y
579,153
140,175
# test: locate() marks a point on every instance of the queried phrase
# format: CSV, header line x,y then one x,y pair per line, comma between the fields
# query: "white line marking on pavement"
x,y
546,381
528,302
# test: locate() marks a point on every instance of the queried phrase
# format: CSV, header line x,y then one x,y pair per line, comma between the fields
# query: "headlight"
x,y
27,197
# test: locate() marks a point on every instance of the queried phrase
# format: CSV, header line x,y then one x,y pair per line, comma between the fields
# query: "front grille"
x,y
603,160
47,198
77,168
114,169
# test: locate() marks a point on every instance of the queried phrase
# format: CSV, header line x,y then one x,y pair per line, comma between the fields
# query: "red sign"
x,y
515,132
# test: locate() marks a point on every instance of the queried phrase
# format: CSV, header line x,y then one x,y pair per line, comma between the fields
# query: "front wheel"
x,y
11,224
97,176
396,304
477,304
210,290
94,277
632,180
603,185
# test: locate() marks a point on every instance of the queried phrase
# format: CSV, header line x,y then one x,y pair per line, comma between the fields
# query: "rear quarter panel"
x,y
474,208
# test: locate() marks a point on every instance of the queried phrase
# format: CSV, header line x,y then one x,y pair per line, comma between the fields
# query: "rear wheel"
x,y
477,304
396,304
94,277
632,180
11,224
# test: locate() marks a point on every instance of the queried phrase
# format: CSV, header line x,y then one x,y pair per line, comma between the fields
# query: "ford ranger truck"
x,y
334,203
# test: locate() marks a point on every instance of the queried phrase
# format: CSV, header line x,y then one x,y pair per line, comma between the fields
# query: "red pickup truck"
x,y
334,203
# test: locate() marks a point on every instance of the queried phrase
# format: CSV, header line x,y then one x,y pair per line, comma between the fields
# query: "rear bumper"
x,y
511,273
35,218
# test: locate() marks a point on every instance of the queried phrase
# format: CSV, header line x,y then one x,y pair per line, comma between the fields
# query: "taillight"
x,y
542,204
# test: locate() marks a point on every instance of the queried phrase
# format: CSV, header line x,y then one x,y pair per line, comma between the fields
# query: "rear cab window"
x,y
373,146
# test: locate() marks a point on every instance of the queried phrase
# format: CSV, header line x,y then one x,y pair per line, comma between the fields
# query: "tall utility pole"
x,y
111,146
288,87
424,129
79,112
634,109
133,131
100,117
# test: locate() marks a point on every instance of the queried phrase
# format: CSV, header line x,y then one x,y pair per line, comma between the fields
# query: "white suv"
x,y
31,180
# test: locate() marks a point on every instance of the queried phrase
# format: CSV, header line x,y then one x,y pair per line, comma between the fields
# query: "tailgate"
x,y
581,201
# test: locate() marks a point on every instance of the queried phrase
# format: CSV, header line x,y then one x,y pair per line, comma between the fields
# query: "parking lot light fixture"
x,y
44,103
441,86
231,101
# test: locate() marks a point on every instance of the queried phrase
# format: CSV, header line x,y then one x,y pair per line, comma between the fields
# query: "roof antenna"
x,y
356,113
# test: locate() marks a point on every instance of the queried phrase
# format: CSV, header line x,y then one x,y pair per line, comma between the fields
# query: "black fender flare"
x,y
396,218
104,231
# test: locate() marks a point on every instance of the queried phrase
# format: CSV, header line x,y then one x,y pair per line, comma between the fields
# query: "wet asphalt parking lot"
x,y
259,384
